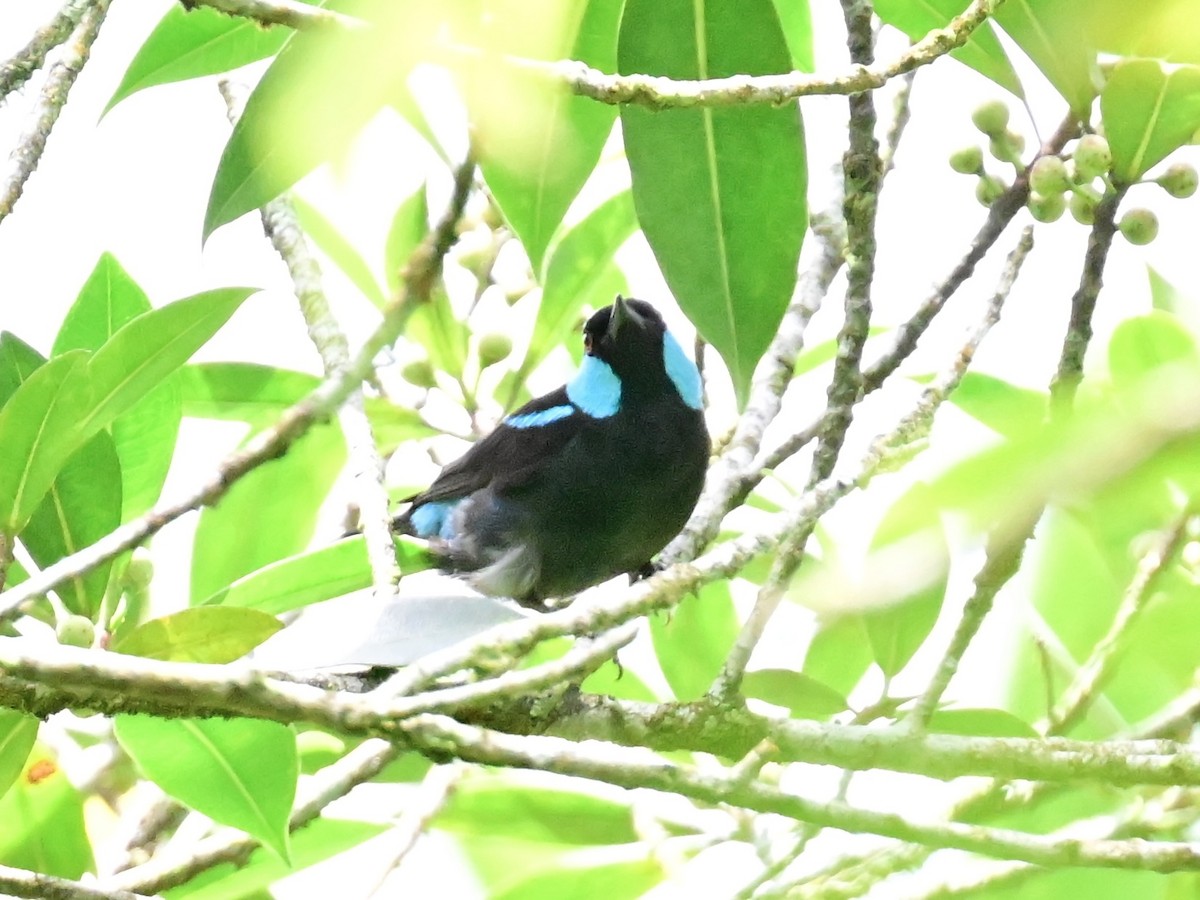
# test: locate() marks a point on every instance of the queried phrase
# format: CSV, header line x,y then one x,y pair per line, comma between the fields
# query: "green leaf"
x,y
409,226
720,193
212,634
442,332
240,772
244,392
39,431
692,642
804,697
18,731
982,51
898,628
1142,344
43,828
624,880
332,571
575,274
315,842
795,17
334,245
1052,33
144,435
149,348
269,514
980,723
1148,113
839,653
1166,29
536,814
394,425
1005,408
539,142
312,102
17,362
82,506
189,43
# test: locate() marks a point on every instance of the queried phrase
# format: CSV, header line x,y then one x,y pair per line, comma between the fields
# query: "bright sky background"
x,y
136,184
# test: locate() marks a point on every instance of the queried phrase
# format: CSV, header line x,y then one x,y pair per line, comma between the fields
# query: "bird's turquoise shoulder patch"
x,y
435,519
540,418
683,372
595,389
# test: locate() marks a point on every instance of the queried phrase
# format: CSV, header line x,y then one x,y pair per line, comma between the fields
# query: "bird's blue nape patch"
x,y
435,519
683,372
539,418
595,389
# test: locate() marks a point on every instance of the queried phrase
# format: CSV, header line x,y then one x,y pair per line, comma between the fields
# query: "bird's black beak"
x,y
622,313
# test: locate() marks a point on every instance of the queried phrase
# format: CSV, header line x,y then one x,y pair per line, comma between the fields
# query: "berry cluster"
x,y
1076,181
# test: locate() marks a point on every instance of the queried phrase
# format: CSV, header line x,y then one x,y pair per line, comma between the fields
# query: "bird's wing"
x,y
513,454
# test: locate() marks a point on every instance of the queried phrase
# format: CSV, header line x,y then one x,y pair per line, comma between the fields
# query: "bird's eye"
x,y
587,343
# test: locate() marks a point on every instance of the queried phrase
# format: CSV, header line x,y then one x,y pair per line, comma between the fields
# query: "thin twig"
x,y
18,69
21,883
1101,663
291,13
59,80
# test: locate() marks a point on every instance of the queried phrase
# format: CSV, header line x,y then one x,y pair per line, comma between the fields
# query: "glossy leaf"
x,y
980,723
575,274
795,17
1164,296
1053,34
720,192
244,392
332,243
317,841
536,814
804,697
240,772
267,515
151,347
192,42
1148,113
625,880
692,642
42,814
409,225
982,51
442,332
82,506
17,362
394,425
839,654
322,88
18,732
144,436
39,431
898,628
1165,29
1141,344
538,141
1004,407
211,634
322,574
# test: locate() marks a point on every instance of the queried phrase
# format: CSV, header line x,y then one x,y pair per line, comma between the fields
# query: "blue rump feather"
x,y
434,519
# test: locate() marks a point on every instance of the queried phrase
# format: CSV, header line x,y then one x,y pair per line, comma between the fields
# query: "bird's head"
x,y
631,339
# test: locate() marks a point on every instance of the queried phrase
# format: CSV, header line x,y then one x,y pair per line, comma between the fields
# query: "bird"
x,y
580,485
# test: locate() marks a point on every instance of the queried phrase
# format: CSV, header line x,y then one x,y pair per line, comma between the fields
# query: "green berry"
x,y
967,161
494,348
1049,176
1092,157
1047,207
420,373
991,118
1139,226
1180,180
989,189
1083,207
139,572
76,631
1007,147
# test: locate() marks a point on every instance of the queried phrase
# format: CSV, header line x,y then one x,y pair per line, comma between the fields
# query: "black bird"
x,y
584,483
